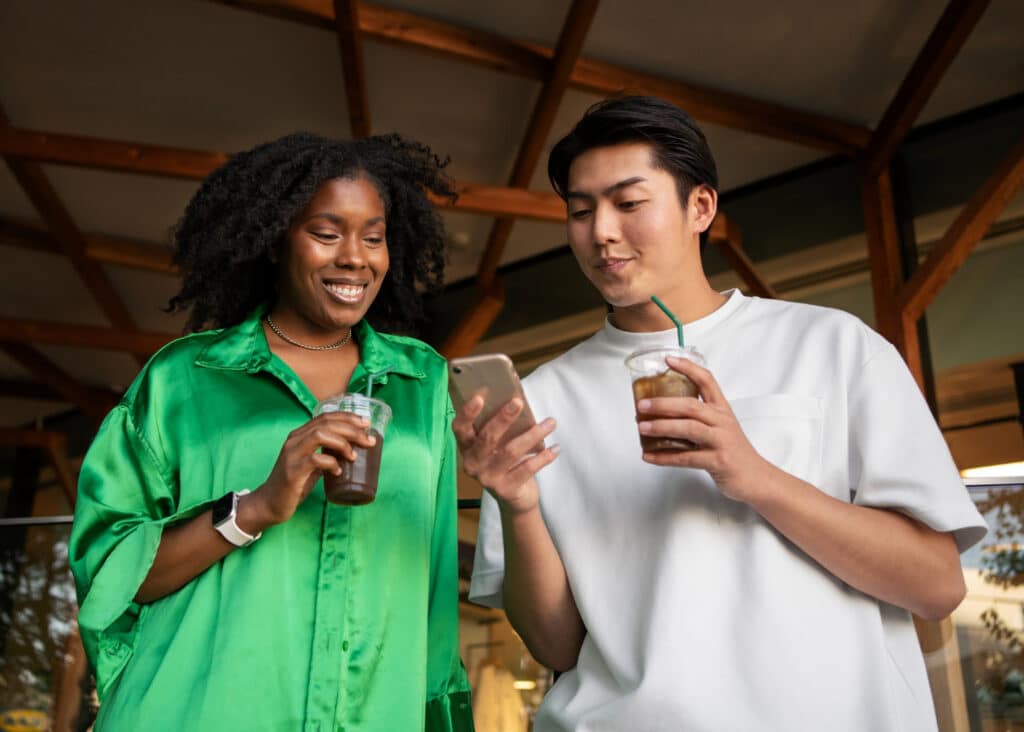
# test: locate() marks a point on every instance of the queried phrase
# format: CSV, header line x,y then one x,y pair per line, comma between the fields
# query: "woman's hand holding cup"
x,y
300,463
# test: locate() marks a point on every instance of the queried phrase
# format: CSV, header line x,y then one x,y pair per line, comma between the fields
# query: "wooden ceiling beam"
x,y
94,402
130,253
27,236
567,52
963,235
137,158
58,221
74,335
44,198
116,155
346,25
534,60
514,202
942,46
727,109
98,247
730,243
476,322
35,390
719,228
471,329
400,28
570,45
64,231
20,437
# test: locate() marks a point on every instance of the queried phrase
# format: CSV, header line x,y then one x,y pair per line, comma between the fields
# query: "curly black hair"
x,y
227,240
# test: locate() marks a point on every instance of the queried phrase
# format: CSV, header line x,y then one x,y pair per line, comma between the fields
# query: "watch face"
x,y
223,508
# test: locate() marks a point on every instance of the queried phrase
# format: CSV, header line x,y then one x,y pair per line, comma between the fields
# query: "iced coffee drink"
x,y
653,378
357,483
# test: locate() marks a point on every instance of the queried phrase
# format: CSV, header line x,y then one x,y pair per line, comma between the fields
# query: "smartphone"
x,y
495,374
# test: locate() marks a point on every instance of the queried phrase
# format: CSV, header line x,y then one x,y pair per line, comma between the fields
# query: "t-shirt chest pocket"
x,y
786,430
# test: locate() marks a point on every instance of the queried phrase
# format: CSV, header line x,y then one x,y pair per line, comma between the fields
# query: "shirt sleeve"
x,y
448,703
125,498
488,578
898,457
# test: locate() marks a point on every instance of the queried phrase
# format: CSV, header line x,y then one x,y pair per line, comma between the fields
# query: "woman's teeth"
x,y
346,293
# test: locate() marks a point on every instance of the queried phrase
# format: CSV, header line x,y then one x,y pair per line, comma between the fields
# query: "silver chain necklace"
x,y
330,347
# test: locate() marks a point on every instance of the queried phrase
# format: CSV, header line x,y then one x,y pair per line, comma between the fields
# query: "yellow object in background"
x,y
24,720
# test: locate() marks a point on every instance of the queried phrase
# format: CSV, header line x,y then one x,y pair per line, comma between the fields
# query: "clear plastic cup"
x,y
652,378
357,483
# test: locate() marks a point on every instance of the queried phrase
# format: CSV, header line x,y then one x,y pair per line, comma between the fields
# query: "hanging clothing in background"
x,y
497,704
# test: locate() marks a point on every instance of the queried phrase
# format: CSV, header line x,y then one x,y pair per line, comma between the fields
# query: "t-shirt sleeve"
x,y
488,578
125,498
489,558
898,457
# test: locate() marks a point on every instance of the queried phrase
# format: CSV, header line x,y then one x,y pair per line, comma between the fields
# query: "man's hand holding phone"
x,y
504,466
506,450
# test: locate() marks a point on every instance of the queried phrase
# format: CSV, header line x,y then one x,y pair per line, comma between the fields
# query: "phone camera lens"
x,y
457,369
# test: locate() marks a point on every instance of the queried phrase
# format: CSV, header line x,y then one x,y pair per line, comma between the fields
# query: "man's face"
x,y
627,227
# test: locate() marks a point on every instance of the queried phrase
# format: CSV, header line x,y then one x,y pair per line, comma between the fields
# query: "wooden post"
x,y
880,229
896,317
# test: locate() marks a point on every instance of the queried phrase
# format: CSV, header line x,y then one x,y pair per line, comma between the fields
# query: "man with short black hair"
x,y
761,581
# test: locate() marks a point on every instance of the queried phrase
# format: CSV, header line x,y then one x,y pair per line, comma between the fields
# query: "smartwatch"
x,y
224,512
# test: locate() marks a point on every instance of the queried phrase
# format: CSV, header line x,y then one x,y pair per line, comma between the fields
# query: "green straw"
x,y
373,375
672,317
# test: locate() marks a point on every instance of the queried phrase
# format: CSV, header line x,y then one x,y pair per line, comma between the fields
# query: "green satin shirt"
x,y
342,618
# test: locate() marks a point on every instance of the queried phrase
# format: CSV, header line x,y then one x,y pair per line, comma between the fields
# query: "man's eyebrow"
x,y
609,190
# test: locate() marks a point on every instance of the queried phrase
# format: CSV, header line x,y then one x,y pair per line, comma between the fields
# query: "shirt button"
x,y
344,645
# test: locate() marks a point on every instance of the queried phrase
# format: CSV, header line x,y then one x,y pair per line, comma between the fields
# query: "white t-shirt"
x,y
699,615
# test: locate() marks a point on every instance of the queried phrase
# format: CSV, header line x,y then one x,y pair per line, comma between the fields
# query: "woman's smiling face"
x,y
336,256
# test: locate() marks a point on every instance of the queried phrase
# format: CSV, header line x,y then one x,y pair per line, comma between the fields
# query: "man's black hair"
x,y
678,144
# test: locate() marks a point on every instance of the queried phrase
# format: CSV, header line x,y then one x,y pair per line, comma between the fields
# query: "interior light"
x,y
1005,470
524,685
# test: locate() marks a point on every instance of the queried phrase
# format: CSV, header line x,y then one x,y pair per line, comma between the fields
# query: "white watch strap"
x,y
230,530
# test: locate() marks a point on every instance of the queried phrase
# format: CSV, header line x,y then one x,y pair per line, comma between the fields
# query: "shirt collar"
x,y
244,347
694,331
381,354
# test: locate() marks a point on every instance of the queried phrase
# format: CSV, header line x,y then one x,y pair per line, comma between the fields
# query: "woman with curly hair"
x,y
218,588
